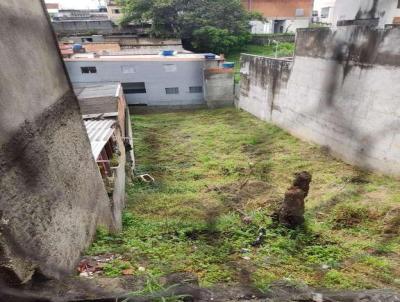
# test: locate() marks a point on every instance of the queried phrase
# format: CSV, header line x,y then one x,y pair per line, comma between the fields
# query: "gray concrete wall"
x,y
52,195
219,87
152,73
83,27
98,105
342,91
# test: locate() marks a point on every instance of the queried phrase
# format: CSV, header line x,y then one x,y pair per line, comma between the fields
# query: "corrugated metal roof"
x,y
99,132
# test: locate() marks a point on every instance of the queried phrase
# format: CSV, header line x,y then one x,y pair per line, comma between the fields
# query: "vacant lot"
x,y
218,177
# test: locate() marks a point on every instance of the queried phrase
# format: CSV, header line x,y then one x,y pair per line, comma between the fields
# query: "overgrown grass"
x,y
282,50
219,175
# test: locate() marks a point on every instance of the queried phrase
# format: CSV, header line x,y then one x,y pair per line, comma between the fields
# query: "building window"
x,y
170,67
196,89
134,87
299,12
89,69
325,12
116,11
398,4
128,69
172,90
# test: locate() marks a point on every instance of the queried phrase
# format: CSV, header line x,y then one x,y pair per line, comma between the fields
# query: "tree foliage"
x,y
209,25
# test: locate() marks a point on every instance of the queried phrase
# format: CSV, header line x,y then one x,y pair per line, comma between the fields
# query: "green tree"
x,y
208,25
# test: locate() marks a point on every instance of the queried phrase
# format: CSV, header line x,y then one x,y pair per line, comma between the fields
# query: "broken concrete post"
x,y
291,213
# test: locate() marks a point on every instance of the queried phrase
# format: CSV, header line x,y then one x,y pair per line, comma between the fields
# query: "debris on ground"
x,y
90,266
237,192
291,213
147,178
261,237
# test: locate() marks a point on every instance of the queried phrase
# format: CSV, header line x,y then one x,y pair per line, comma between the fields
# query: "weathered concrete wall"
x,y
83,26
342,91
52,195
219,87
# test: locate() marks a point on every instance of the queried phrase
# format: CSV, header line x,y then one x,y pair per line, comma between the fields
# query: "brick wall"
x,y
284,9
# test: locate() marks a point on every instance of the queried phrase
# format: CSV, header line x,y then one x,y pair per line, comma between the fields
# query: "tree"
x,y
208,25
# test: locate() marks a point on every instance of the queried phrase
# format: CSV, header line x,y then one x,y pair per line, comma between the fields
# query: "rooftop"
x,y
99,132
177,57
97,90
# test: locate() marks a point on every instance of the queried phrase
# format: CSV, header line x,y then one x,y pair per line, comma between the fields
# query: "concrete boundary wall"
x,y
52,195
341,91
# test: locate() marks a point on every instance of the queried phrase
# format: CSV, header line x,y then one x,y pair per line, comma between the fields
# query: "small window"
x,y
89,69
170,67
128,69
172,90
116,11
135,87
299,12
325,12
196,89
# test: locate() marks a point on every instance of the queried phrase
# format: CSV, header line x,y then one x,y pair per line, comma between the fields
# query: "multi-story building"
x,y
114,11
376,13
281,16
52,9
324,11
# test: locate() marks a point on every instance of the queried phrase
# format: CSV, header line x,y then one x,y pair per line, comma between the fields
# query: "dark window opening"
x,y
196,89
134,87
398,4
90,69
116,11
172,90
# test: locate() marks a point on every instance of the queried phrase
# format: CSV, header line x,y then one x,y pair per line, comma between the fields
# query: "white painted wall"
x,y
289,26
152,73
348,9
260,27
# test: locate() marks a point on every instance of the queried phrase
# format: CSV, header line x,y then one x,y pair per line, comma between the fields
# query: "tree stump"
x,y
291,213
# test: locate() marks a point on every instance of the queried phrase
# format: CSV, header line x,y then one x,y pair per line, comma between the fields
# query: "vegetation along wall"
x,y
341,91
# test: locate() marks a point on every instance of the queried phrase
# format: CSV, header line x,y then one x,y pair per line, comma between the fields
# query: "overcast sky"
x,y
79,4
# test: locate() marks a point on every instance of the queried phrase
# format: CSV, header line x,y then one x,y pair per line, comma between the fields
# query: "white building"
x,y
379,13
324,10
153,80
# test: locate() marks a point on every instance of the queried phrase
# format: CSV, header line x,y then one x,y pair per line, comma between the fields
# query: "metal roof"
x,y
97,90
99,132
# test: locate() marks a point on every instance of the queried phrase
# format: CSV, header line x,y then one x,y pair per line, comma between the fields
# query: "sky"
x,y
81,4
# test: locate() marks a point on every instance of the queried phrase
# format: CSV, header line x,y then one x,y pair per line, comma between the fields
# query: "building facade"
x,y
376,13
324,11
114,11
153,80
282,16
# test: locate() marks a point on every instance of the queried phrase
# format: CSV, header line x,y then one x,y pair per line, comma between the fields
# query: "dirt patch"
x,y
151,139
391,222
239,192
